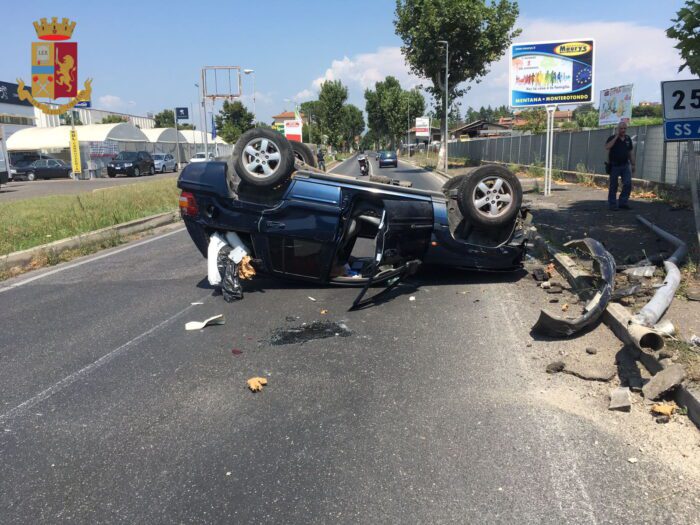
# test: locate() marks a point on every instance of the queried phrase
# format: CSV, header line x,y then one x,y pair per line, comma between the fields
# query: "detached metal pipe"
x,y
657,306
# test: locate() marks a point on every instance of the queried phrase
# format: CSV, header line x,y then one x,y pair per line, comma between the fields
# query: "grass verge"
x,y
33,222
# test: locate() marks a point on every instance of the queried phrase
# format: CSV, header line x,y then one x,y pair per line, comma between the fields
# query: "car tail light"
x,y
188,204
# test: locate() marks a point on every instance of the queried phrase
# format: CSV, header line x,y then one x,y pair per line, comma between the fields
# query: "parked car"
x,y
131,164
44,169
388,158
201,157
164,162
305,227
23,160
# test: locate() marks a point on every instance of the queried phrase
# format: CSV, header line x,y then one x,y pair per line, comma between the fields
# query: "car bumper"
x,y
120,171
392,163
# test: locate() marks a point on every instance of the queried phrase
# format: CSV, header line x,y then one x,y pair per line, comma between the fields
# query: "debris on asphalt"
x,y
664,409
551,325
412,298
308,332
662,419
694,340
693,293
312,299
564,307
197,303
591,351
236,351
554,300
663,381
546,285
626,292
640,271
555,288
324,312
255,384
556,366
198,325
632,460
665,327
620,399
539,275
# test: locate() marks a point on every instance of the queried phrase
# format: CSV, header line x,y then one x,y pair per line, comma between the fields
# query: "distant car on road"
x,y
388,158
164,162
131,164
44,169
201,157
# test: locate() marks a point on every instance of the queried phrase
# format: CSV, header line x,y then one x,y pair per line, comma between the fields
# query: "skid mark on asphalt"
x,y
86,261
86,370
573,500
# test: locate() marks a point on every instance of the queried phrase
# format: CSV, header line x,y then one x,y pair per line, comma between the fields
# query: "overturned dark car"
x,y
297,222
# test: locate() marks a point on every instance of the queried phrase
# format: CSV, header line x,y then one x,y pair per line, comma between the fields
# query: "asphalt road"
x,y
110,412
18,190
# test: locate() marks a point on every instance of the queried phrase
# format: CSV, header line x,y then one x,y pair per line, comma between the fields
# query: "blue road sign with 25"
x,y
682,130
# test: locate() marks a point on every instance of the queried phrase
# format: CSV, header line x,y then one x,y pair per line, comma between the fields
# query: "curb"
x,y
614,317
24,257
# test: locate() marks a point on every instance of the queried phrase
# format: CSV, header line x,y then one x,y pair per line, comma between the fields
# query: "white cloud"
x,y
114,102
626,53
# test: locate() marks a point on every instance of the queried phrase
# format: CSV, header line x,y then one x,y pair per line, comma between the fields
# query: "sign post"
x,y
180,113
76,165
548,74
681,101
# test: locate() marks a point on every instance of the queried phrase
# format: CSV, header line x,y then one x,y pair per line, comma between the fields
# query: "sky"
x,y
144,56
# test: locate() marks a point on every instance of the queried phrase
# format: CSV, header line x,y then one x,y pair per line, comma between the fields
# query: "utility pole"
x,y
255,115
447,77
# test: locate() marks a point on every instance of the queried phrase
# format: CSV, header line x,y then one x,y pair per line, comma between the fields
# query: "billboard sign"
x,y
182,113
551,73
292,130
615,105
422,126
8,95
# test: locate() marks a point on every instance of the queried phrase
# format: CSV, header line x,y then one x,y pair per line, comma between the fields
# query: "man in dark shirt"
x,y
621,156
320,156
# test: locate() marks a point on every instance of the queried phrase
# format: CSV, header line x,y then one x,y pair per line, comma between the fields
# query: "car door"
x,y
53,169
40,168
300,234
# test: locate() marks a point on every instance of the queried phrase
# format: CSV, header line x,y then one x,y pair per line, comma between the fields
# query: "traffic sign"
x,y
182,113
84,104
681,99
675,130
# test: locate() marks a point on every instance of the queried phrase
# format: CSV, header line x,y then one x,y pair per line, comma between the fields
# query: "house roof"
x,y
287,115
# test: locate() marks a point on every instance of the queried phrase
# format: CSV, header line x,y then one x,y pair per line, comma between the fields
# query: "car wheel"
x,y
303,153
381,179
111,175
162,169
263,157
454,183
175,168
152,170
31,176
490,196
137,172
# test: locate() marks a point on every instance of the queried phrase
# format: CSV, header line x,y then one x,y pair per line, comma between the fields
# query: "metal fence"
x,y
583,151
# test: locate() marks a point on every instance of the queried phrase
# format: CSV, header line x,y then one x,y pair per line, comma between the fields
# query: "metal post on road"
x,y
255,115
447,78
548,151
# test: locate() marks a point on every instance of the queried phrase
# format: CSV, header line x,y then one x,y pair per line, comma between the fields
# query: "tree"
x,y
478,34
186,126
353,123
332,98
686,29
391,110
165,119
586,116
113,119
648,111
535,120
233,120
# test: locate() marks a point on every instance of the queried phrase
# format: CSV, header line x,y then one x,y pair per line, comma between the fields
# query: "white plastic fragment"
x,y
216,242
412,298
312,299
198,325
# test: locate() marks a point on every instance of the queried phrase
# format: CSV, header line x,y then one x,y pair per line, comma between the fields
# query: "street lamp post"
x,y
199,112
447,76
255,116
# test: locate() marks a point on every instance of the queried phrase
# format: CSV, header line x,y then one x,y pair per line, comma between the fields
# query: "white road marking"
x,y
72,378
89,260
438,177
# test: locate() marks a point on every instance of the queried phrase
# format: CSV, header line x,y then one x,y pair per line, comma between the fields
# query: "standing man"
x,y
621,157
321,159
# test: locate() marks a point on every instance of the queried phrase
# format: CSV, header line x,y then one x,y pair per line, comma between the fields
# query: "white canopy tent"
x,y
195,139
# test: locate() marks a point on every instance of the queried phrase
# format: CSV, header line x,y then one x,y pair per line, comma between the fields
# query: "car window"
x,y
39,164
126,155
53,163
159,157
296,256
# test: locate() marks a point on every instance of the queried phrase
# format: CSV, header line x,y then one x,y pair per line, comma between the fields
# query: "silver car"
x,y
164,162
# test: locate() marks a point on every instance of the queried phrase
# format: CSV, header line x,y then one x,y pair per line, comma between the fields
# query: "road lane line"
x,y
75,376
438,177
85,261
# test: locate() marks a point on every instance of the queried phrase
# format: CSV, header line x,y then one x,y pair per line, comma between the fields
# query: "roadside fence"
x,y
584,152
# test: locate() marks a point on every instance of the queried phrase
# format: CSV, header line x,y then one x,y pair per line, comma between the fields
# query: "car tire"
x,y
162,170
152,170
31,176
137,172
482,196
175,168
454,183
111,175
303,153
252,162
381,179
